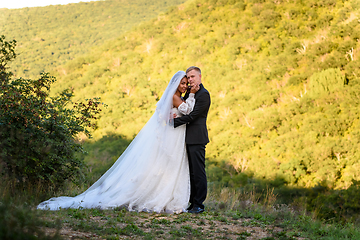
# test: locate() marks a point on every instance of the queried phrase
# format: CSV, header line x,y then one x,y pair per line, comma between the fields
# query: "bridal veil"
x,y
152,174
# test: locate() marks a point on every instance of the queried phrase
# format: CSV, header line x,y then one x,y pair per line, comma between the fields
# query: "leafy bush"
x,y
324,21
296,79
322,48
37,132
326,82
20,222
269,18
352,71
340,205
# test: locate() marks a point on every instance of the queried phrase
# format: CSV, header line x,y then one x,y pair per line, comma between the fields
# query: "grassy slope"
x,y
276,74
50,36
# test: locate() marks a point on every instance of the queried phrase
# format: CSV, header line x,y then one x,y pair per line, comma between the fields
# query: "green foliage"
x,y
269,18
339,206
284,95
297,79
51,36
352,71
326,82
283,78
325,21
21,222
38,132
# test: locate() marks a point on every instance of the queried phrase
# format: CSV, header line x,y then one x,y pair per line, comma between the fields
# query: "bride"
x,y
152,174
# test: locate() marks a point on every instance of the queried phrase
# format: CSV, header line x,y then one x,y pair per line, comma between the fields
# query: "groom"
x,y
196,139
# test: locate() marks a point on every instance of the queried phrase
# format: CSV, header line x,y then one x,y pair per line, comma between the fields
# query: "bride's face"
x,y
183,85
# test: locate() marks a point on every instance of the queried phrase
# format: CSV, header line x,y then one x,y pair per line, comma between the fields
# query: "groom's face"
x,y
194,77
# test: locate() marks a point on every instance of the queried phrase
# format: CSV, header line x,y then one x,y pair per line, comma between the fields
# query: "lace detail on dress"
x,y
186,107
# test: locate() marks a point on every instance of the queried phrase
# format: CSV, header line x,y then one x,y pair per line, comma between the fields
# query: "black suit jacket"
x,y
196,129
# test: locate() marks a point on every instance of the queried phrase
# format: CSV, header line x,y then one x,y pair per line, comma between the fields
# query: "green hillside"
x,y
50,36
283,77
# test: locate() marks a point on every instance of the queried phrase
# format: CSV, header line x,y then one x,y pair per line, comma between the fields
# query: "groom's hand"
x,y
194,89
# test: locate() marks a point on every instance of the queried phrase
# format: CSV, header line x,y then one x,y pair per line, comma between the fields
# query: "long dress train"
x,y
152,174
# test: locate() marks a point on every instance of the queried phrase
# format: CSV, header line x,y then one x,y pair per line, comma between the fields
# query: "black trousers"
x,y
198,182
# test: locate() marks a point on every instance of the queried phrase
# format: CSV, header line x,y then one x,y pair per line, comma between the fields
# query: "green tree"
x,y
38,132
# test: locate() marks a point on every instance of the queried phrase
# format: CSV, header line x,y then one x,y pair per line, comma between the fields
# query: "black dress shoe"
x,y
190,207
196,210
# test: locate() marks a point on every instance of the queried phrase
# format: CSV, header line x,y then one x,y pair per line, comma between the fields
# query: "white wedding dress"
x,y
151,175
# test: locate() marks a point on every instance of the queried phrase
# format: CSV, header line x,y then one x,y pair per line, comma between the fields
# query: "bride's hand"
x,y
194,89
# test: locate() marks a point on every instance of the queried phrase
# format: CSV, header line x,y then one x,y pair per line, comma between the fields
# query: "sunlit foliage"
x,y
284,93
283,76
50,36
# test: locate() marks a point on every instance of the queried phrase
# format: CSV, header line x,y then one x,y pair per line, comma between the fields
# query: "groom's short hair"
x,y
193,68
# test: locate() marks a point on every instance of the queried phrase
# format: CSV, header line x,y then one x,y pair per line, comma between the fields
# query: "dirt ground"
x,y
160,226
